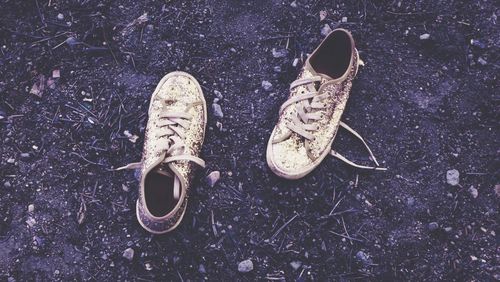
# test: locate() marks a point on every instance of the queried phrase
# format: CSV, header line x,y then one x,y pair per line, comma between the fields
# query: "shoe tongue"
x,y
163,169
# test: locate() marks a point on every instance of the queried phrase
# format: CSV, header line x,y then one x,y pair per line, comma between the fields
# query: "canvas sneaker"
x,y
173,139
309,119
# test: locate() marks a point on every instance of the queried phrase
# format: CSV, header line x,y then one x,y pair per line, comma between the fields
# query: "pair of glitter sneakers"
x,y
302,138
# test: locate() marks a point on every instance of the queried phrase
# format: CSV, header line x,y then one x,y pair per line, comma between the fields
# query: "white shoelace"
x,y
170,136
309,107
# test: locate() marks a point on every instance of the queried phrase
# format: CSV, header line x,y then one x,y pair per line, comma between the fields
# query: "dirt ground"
x,y
425,105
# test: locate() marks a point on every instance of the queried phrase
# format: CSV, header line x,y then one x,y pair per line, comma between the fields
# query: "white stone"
x,y
425,36
129,254
245,266
473,192
212,178
453,177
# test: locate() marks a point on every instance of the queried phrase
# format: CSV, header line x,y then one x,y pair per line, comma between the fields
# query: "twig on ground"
x,y
214,228
88,161
345,236
336,205
283,227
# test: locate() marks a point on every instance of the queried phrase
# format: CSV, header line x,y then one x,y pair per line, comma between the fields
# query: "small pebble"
x,y
11,161
60,16
218,94
56,74
425,36
125,188
482,61
448,229
268,86
39,241
433,226
148,266
212,178
277,69
295,62
245,266
279,53
201,269
31,222
497,190
296,264
11,279
25,155
293,4
477,43
31,208
363,257
322,15
129,254
473,192
410,201
217,110
7,184
453,177
71,41
325,30
344,19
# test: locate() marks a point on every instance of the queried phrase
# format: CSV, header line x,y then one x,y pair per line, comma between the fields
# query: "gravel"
x,y
218,94
279,53
296,264
325,30
216,108
482,61
453,177
201,269
433,226
212,178
473,192
245,266
425,36
128,254
268,86
410,201
363,257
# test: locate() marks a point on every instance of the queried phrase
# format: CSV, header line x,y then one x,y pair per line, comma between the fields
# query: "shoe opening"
x,y
159,193
334,55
